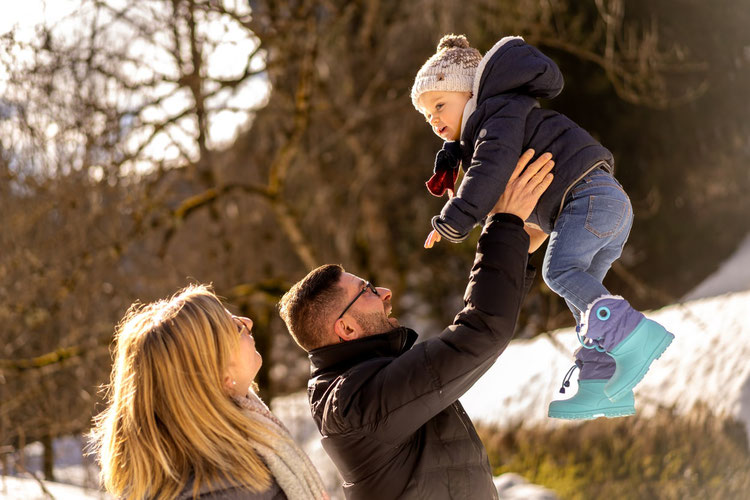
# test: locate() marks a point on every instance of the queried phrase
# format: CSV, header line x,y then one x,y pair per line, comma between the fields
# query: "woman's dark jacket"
x,y
223,490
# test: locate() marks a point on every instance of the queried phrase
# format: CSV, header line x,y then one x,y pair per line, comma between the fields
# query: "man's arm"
x,y
536,237
414,387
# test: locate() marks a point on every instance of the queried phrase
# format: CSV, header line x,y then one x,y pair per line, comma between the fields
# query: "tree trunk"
x,y
48,458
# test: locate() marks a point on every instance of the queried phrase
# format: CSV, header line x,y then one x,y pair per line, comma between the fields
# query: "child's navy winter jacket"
x,y
501,121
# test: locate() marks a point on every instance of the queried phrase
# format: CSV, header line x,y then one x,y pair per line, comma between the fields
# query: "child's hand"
x,y
432,238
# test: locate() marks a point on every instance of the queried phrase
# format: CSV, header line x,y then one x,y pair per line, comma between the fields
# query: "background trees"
x,y
147,144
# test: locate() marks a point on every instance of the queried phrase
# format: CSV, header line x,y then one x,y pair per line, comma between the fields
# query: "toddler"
x,y
486,111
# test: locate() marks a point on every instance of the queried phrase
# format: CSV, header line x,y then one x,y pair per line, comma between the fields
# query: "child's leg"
x,y
630,339
603,260
576,312
588,236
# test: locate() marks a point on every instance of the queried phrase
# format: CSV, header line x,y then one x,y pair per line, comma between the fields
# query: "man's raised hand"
x,y
525,186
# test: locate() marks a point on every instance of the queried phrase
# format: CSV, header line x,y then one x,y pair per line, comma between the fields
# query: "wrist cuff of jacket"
x,y
446,231
505,217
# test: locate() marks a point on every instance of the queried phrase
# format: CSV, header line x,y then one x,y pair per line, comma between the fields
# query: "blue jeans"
x,y
588,237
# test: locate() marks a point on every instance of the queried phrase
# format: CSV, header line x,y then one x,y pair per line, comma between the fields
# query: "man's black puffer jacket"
x,y
388,408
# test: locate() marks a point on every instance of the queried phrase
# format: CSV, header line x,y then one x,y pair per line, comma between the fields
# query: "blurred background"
x,y
148,144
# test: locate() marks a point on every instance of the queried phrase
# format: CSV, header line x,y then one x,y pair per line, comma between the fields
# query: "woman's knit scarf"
x,y
289,465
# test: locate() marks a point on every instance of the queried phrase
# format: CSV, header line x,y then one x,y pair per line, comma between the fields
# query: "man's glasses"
x,y
368,286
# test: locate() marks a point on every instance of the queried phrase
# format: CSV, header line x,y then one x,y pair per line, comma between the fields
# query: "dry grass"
x,y
664,457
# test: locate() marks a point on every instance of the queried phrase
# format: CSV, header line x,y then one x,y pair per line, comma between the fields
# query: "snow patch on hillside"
x,y
706,364
732,276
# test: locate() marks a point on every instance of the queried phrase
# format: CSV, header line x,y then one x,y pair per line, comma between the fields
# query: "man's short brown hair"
x,y
307,308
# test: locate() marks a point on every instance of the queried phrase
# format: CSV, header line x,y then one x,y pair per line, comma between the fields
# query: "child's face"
x,y
444,111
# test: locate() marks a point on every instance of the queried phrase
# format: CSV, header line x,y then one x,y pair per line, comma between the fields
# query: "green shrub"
x,y
662,457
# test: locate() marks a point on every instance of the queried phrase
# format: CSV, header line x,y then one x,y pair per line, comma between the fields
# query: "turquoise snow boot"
x,y
634,341
591,402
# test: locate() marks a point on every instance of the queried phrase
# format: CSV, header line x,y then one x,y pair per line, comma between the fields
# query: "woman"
x,y
182,419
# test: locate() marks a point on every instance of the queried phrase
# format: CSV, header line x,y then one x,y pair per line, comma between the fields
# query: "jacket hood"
x,y
346,354
513,66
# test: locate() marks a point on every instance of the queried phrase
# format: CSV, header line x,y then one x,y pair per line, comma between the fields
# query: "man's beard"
x,y
374,323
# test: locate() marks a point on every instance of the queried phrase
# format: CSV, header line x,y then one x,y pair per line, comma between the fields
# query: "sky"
x,y
225,61
28,13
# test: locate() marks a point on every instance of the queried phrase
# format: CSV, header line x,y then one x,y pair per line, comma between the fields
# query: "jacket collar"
x,y
347,354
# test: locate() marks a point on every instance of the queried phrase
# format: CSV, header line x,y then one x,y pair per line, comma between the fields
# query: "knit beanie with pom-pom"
x,y
451,68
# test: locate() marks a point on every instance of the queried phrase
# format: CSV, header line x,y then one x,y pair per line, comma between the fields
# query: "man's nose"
x,y
384,293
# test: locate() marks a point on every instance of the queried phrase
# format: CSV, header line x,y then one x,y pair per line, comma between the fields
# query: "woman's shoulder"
x,y
225,491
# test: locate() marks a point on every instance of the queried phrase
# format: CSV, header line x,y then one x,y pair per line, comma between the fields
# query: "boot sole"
x,y
655,354
589,415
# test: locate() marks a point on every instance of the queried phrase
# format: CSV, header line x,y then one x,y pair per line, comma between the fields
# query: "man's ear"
x,y
346,330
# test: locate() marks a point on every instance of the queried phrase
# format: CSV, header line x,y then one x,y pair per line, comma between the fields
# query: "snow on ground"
x,y
706,363
21,488
76,476
732,276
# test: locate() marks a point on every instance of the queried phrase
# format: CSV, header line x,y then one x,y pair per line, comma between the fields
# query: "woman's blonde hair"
x,y
169,415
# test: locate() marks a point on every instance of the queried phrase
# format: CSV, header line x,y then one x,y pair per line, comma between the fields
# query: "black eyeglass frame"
x,y
368,286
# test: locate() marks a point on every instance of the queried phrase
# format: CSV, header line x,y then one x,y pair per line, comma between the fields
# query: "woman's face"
x,y
245,361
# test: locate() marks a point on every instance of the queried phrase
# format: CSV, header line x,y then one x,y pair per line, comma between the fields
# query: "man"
x,y
388,409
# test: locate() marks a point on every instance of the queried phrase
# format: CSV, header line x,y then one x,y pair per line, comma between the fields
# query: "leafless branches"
x,y
643,68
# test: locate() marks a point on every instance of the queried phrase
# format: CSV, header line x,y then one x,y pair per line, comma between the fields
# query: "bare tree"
x,y
643,67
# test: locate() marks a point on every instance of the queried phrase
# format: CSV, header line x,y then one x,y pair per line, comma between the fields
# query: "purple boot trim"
x,y
609,320
596,365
